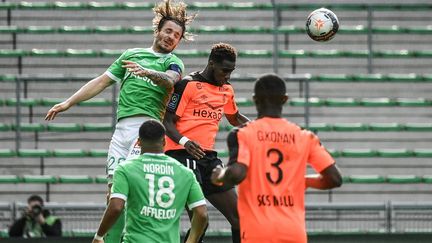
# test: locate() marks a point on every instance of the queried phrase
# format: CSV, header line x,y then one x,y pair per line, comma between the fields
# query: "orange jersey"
x,y
271,197
200,105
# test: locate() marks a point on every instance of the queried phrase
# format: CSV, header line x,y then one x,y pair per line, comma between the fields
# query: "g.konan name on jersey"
x,y
275,201
275,137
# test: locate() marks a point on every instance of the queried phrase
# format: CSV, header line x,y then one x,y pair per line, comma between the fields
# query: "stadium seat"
x,y
8,179
377,102
101,179
39,179
80,53
23,102
98,127
342,102
75,29
75,179
358,153
423,152
421,127
34,153
349,127
109,29
46,53
5,127
384,127
30,127
302,102
413,102
427,179
366,179
69,153
63,127
98,153
394,153
7,153
401,179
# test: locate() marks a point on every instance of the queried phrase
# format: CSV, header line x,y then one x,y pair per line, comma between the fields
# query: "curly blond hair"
x,y
168,10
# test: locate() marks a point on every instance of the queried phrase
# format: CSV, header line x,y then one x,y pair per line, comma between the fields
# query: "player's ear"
x,y
163,142
139,142
285,99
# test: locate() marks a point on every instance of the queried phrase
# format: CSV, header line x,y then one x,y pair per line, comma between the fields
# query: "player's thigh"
x,y
117,151
226,203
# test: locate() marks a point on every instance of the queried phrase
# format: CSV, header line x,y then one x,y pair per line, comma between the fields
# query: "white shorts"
x,y
124,142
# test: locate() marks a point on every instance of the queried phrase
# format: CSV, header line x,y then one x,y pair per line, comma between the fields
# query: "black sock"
x,y
235,234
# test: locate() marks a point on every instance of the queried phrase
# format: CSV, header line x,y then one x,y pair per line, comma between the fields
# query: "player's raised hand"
x,y
194,149
135,68
60,107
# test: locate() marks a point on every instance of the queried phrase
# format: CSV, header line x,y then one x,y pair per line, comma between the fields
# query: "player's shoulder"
x,y
137,50
189,79
125,164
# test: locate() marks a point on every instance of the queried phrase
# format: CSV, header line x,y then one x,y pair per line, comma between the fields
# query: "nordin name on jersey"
x,y
159,169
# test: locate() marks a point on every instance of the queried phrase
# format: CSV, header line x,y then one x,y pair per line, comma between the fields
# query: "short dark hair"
x,y
221,52
270,86
35,198
151,130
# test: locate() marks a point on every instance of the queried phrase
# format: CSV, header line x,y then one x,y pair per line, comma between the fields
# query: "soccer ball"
x,y
322,24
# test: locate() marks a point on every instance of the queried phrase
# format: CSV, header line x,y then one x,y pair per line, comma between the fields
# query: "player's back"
x,y
159,187
271,197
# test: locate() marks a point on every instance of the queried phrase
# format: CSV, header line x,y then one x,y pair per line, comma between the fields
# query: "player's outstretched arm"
x,y
198,223
165,79
88,91
329,178
236,119
113,211
191,147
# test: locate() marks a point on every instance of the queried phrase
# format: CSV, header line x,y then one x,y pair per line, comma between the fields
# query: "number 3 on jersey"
x,y
165,187
276,164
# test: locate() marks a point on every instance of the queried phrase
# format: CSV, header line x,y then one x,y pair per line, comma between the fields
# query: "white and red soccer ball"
x,y
322,24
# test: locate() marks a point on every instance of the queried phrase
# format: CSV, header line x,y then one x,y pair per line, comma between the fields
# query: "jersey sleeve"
x,y
239,151
120,187
180,98
116,72
231,106
196,196
319,158
175,64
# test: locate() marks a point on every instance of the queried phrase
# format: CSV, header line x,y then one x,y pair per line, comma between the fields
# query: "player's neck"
x,y
151,149
270,112
207,74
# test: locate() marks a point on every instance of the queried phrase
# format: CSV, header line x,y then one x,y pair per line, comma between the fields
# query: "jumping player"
x,y
192,120
147,77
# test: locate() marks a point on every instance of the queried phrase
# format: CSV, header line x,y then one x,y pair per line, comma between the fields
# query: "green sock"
x,y
115,234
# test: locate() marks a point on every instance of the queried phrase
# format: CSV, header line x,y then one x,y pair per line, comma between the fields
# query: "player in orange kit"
x,y
192,119
268,159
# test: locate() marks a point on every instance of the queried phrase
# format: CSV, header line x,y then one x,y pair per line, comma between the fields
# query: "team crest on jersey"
x,y
174,101
199,85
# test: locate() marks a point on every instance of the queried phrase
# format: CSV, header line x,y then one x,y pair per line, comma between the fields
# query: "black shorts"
x,y
202,168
